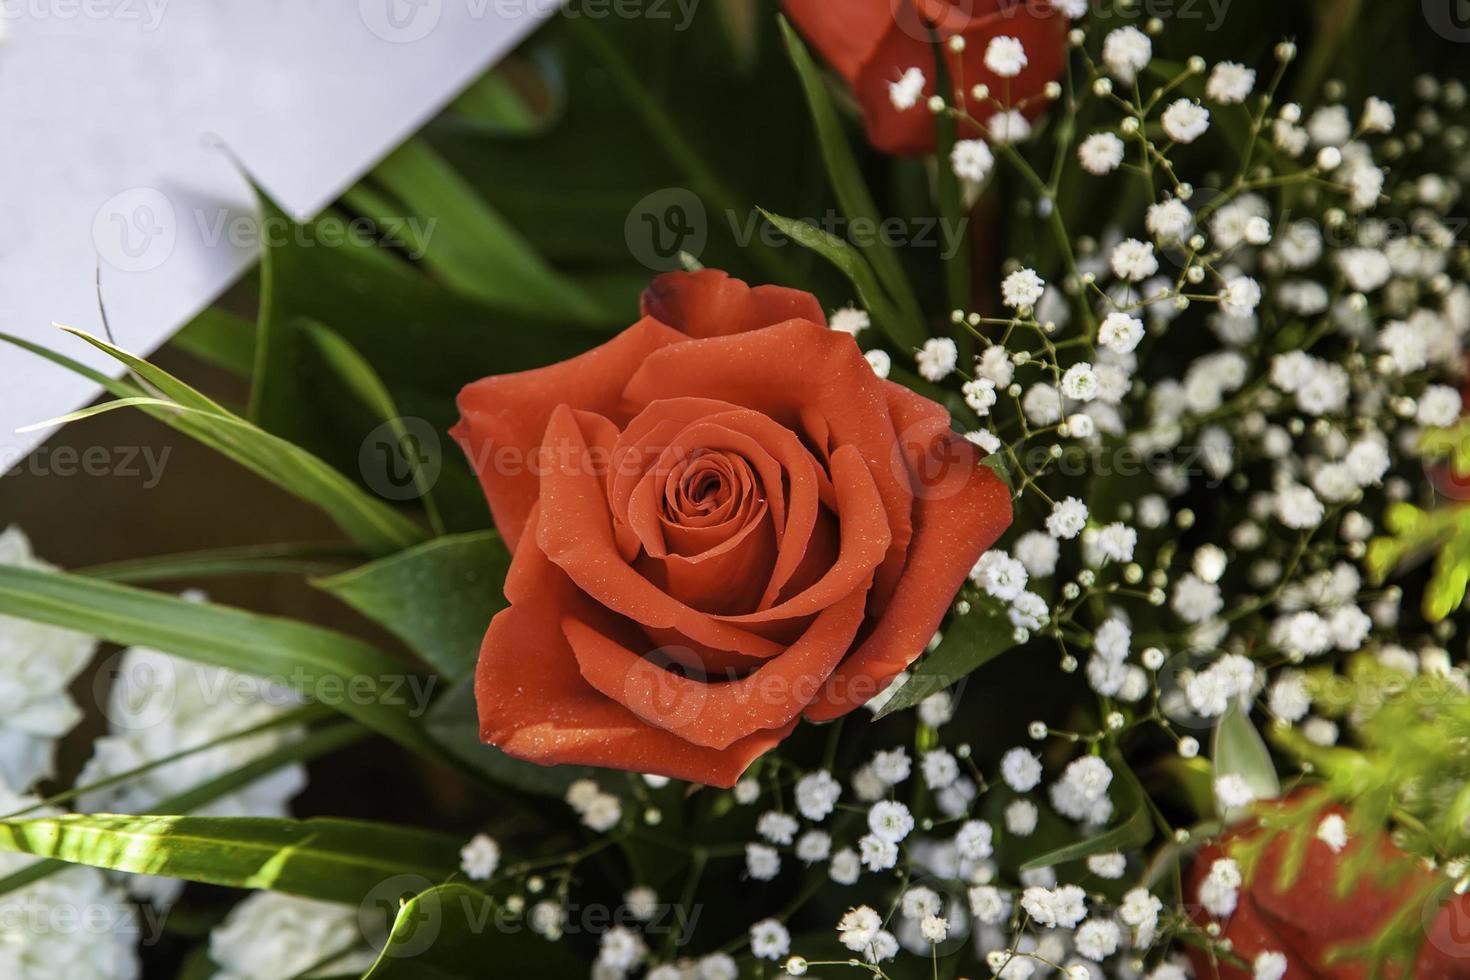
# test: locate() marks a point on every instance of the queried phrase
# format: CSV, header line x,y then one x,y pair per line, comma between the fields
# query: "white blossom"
x,y
1185,121
906,92
270,935
1100,153
937,358
37,665
1229,83
1005,56
971,160
1022,288
1126,51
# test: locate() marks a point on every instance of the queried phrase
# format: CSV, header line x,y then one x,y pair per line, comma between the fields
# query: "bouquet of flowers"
x,y
1040,554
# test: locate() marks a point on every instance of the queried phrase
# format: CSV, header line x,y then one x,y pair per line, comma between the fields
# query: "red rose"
x,y
871,43
1308,920
721,520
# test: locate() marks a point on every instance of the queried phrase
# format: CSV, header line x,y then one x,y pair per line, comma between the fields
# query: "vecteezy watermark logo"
x,y
401,21
136,230
664,224
380,908
1450,19
401,459
147,14
136,692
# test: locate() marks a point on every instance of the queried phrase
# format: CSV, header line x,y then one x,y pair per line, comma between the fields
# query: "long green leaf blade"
x,y
471,246
334,669
369,521
972,641
850,262
438,598
359,376
448,933
329,860
852,192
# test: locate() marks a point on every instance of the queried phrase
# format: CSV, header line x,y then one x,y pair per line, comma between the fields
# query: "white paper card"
x,y
114,114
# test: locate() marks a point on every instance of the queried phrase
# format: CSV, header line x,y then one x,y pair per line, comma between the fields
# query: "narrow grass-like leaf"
x,y
369,521
1131,833
254,559
473,248
363,381
220,338
852,192
166,384
453,931
326,859
438,597
951,194
850,262
294,717
970,642
1135,830
315,744
331,668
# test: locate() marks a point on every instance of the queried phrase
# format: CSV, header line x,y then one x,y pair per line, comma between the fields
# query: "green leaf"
x,y
850,262
453,932
336,670
996,463
1239,750
454,723
220,338
164,384
1131,833
424,342
438,598
313,745
470,246
1135,830
253,559
369,521
970,642
326,859
852,193
364,383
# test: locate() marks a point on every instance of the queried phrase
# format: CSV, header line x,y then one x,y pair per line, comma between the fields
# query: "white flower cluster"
x,y
269,936
37,665
71,923
1203,407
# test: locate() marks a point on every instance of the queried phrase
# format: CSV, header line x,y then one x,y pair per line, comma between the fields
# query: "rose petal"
x,y
709,303
575,531
863,543
845,34
502,417
807,379
717,715
951,530
535,705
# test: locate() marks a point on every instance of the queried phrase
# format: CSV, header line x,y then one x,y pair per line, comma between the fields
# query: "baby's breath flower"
x,y
938,358
1005,56
1022,288
1126,51
1185,121
1100,153
1133,260
906,92
849,320
971,160
1230,83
